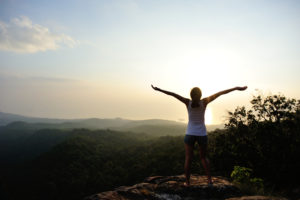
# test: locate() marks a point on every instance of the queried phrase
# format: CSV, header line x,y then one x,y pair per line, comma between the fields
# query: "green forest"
x,y
54,163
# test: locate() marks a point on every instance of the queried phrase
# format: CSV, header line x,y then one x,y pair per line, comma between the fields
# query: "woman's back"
x,y
196,124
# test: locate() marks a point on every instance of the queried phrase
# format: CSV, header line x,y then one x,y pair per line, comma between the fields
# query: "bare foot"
x,y
186,184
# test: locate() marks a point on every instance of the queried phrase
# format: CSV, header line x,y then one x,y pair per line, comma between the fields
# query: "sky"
x,y
94,58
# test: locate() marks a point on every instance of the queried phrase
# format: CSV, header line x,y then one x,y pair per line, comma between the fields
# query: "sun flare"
x,y
208,116
210,70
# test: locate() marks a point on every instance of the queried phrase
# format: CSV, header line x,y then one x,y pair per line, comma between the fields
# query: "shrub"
x,y
241,178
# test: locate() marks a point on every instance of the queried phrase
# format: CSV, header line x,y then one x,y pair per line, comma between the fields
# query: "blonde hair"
x,y
196,96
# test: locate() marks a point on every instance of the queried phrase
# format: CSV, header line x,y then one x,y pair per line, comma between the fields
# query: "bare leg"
x,y
205,162
188,159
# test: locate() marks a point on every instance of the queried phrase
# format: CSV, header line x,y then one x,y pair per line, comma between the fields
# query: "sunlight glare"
x,y
208,116
209,70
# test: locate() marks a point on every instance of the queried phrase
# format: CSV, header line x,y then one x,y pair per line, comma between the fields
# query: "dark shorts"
x,y
191,139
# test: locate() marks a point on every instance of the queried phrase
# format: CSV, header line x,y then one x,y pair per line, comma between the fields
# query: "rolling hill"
x,y
13,121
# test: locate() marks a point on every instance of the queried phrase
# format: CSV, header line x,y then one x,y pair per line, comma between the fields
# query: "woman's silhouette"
x,y
196,130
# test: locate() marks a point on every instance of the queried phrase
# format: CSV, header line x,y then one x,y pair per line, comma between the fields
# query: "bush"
x,y
241,178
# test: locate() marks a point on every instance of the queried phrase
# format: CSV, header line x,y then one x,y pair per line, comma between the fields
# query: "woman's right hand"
x,y
241,88
155,88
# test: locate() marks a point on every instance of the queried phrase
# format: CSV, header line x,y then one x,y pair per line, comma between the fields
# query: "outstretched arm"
x,y
209,99
180,98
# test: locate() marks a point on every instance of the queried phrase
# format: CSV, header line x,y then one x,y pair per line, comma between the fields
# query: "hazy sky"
x,y
92,58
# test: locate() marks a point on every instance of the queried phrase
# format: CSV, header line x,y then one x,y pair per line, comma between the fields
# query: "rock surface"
x,y
172,187
257,198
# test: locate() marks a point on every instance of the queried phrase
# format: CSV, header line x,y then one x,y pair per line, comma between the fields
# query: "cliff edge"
x,y
172,188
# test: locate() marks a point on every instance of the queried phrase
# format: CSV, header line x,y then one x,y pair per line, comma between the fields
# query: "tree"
x,y
275,108
265,138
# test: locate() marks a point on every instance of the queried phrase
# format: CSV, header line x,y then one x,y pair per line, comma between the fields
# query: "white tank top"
x,y
196,124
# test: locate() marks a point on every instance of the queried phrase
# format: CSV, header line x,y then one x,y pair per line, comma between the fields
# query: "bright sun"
x,y
208,70
208,116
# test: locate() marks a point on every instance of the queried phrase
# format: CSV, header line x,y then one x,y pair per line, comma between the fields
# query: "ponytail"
x,y
195,103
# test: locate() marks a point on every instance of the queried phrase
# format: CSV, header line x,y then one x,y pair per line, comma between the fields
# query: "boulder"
x,y
172,187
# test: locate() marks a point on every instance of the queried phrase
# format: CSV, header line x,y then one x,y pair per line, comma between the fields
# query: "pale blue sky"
x,y
98,58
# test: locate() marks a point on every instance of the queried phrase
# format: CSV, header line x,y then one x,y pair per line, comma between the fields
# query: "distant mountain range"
x,y
6,118
35,123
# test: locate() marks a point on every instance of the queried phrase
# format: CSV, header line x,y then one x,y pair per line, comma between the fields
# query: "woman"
x,y
196,130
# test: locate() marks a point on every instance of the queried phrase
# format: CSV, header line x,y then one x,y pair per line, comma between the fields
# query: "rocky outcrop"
x,y
257,198
172,187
